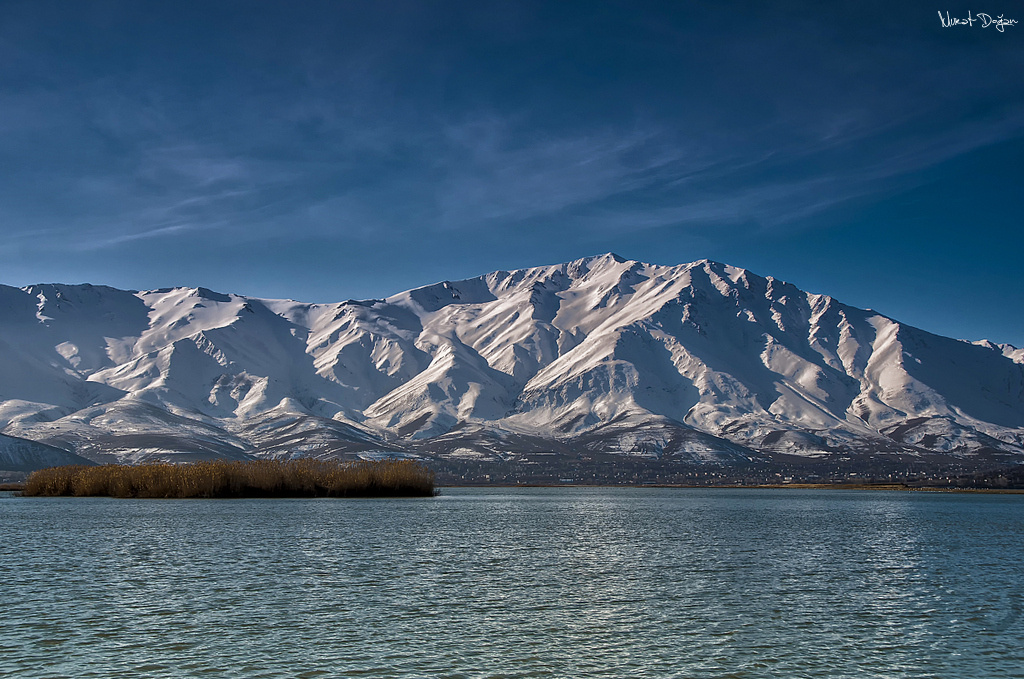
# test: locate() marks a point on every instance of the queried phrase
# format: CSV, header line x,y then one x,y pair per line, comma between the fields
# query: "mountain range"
x,y
697,364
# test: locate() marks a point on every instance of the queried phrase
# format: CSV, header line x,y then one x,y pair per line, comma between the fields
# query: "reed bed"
x,y
220,479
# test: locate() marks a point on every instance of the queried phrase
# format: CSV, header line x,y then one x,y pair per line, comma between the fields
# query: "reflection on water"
x,y
516,583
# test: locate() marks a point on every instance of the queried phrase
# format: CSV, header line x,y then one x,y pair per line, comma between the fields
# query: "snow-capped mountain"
x,y
21,455
697,362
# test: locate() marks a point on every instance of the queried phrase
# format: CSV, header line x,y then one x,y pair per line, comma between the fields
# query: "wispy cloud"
x,y
380,142
172,229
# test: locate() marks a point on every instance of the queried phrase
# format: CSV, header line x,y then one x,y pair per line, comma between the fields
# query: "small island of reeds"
x,y
221,479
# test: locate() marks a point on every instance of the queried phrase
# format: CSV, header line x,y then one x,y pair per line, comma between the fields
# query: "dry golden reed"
x,y
220,479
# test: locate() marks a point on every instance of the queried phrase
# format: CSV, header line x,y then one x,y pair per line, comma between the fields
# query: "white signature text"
x,y
984,20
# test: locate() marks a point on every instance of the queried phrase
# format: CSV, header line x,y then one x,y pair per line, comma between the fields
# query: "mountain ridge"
x,y
698,362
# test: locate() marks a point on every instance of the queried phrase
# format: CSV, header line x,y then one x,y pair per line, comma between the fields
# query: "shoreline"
x,y
20,487
774,486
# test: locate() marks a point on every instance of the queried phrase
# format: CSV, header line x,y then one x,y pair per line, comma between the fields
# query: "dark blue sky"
x,y
328,150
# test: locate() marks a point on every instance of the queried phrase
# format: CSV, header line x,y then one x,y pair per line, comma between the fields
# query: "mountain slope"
x,y
20,455
702,362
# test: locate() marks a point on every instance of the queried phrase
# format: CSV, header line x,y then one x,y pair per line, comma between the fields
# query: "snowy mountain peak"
x,y
601,353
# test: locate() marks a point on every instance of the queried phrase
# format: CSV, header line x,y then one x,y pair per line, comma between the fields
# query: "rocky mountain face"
x,y
701,363
20,455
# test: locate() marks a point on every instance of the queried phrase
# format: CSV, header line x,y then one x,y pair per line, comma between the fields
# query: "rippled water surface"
x,y
558,582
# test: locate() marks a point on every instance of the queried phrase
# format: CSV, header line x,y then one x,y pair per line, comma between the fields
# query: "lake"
x,y
541,582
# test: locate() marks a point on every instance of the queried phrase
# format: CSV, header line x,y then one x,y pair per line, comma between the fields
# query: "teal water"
x,y
557,582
